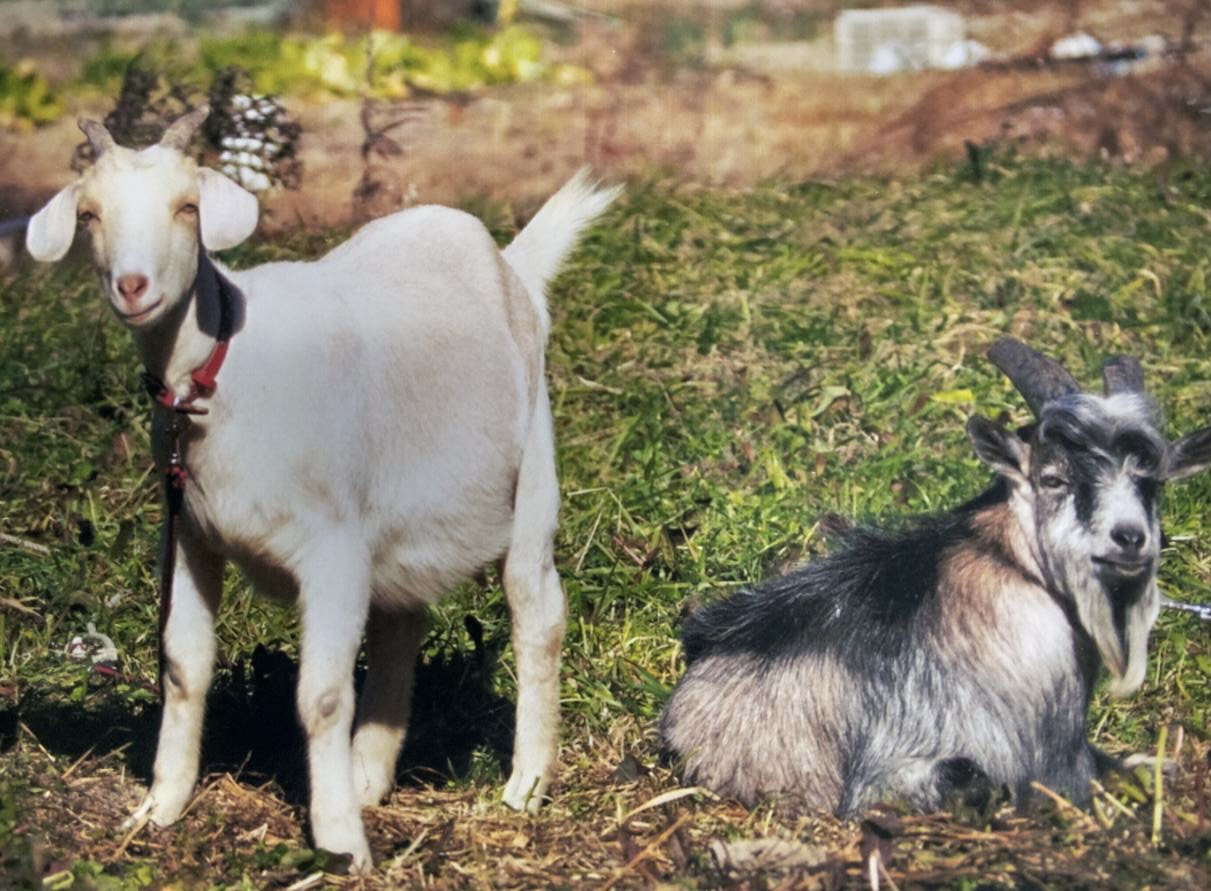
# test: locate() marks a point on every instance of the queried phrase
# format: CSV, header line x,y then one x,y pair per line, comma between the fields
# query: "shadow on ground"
x,y
252,728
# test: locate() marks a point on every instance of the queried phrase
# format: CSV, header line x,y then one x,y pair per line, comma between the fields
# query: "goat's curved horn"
x,y
1123,374
1038,378
181,131
98,137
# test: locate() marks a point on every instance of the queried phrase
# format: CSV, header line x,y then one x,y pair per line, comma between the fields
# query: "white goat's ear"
x,y
51,230
228,214
1189,455
1000,449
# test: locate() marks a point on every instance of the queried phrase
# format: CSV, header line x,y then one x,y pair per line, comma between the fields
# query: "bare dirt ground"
x,y
733,125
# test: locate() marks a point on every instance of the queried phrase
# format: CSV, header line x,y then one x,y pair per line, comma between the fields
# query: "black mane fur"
x,y
858,600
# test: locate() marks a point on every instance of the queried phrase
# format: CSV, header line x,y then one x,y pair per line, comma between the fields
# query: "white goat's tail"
x,y
541,247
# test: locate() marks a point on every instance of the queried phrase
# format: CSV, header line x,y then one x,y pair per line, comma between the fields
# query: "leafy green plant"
x,y
26,96
382,64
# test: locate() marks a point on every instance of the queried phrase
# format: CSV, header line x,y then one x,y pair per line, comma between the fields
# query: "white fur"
x,y
381,430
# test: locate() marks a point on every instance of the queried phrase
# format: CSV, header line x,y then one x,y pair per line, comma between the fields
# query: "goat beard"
x,y
1118,614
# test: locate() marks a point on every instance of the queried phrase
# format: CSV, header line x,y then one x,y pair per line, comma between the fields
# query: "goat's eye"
x,y
1053,481
86,216
189,209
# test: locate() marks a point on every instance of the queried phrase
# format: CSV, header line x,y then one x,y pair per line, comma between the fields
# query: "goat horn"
x,y
1123,374
181,131
98,137
1038,378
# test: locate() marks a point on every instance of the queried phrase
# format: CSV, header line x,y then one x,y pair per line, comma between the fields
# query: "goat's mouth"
x,y
142,315
1124,567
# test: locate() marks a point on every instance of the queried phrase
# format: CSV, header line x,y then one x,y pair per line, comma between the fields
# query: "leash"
x,y
1201,610
202,384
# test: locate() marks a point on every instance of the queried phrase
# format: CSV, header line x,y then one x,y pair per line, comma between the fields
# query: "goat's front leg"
x,y
334,595
188,652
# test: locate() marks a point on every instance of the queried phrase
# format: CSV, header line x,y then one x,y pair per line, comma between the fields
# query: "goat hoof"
x,y
141,815
350,841
361,863
372,786
524,792
158,808
373,767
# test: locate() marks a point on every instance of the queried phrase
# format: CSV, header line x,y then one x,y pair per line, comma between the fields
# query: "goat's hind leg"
x,y
334,596
188,653
539,611
392,641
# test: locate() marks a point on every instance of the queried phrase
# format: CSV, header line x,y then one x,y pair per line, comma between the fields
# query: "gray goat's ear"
x,y
1000,449
227,213
1189,455
51,230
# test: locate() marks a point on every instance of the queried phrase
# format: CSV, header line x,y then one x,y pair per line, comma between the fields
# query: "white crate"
x,y
918,36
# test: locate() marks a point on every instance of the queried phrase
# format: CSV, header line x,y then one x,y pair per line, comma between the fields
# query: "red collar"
x,y
202,379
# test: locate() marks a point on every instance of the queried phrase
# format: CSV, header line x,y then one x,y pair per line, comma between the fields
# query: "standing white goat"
x,y
379,431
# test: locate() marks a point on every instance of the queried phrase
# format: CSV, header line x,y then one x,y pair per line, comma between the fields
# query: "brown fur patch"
x,y
523,322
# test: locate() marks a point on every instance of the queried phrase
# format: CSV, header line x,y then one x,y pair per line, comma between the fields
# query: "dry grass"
x,y
605,829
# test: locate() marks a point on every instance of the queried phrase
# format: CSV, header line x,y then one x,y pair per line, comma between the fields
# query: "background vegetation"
x,y
727,369
303,66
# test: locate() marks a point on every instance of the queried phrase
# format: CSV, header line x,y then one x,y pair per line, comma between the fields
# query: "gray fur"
x,y
960,651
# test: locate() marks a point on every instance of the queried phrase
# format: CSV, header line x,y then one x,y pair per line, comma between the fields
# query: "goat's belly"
x,y
417,530
269,578
417,563
410,568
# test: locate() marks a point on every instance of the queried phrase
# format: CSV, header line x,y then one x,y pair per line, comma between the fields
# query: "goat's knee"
x,y
323,707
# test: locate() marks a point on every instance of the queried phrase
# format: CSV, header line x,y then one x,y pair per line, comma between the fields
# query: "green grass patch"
x,y
727,368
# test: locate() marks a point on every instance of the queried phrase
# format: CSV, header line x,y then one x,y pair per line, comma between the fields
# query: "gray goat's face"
x,y
1085,483
145,213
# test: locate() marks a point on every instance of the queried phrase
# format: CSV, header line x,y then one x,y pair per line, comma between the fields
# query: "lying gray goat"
x,y
960,651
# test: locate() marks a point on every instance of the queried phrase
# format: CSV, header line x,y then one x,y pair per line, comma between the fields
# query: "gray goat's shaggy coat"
x,y
957,652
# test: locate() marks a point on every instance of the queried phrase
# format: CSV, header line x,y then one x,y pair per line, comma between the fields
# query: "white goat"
x,y
380,430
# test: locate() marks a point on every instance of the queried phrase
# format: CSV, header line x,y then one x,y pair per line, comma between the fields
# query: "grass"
x,y
726,369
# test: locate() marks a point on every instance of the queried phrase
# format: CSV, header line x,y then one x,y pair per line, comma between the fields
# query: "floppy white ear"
x,y
228,214
51,230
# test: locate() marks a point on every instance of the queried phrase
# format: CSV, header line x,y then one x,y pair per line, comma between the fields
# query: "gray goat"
x,y
958,653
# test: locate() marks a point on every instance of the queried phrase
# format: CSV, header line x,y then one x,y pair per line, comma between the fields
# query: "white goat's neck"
x,y
183,339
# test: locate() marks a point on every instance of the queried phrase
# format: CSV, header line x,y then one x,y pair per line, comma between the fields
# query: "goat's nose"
x,y
1129,537
132,287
